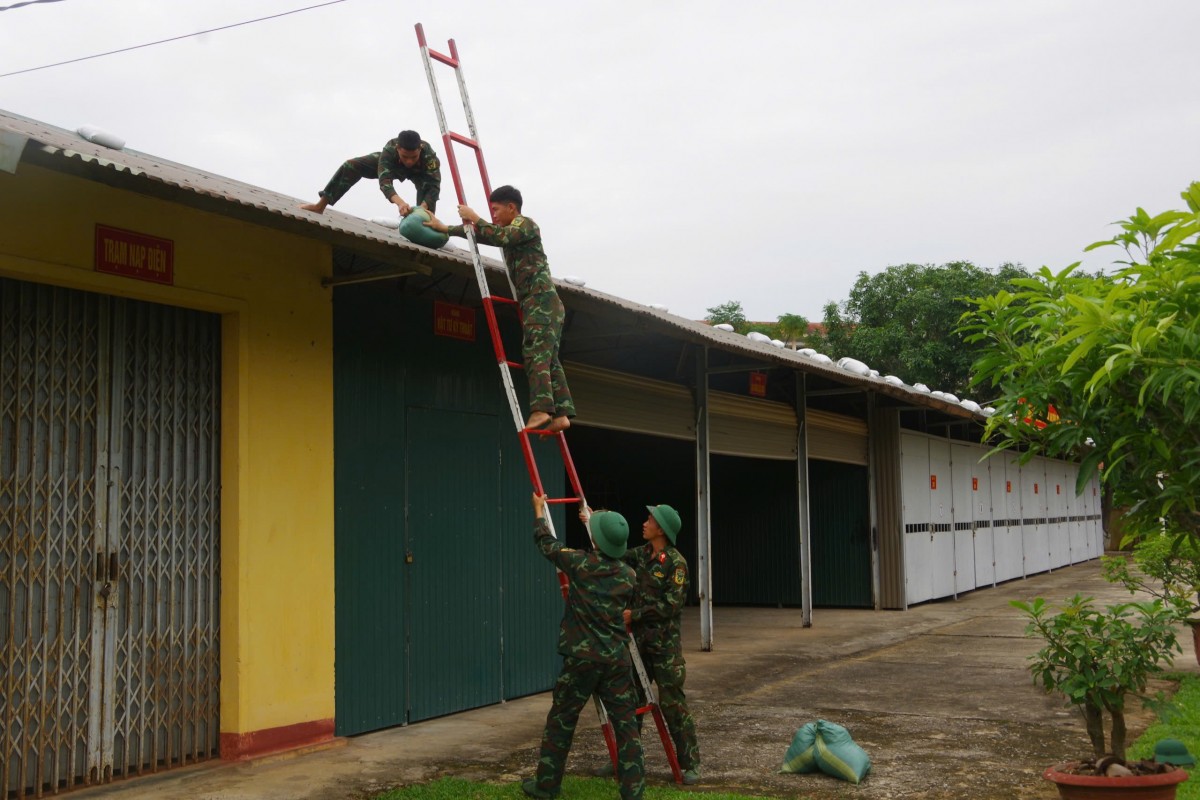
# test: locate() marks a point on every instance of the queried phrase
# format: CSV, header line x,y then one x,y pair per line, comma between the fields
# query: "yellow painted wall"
x,y
277,579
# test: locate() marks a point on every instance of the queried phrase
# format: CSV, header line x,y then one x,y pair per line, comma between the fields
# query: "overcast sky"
x,y
684,153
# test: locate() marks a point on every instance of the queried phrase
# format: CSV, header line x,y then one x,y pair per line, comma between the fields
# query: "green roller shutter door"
x,y
427,463
841,535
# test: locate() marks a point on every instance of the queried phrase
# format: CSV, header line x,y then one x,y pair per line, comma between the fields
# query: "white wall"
x,y
970,523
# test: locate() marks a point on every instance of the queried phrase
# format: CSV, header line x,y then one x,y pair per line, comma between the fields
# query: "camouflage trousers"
x,y
543,316
613,684
348,174
669,672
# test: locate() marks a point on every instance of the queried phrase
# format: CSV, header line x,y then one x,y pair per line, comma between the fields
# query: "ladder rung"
x,y
562,500
515,365
458,137
645,710
497,299
445,59
539,432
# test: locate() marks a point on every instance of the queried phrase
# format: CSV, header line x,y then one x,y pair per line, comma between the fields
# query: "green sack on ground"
x,y
838,755
802,755
413,228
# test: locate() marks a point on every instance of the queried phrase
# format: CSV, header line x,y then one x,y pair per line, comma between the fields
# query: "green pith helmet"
x,y
413,228
1172,751
667,519
610,532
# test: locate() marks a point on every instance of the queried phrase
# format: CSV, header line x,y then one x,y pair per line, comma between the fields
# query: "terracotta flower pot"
x,y
1135,787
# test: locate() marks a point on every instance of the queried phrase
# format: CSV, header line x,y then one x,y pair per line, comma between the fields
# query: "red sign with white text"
x,y
758,384
456,322
135,255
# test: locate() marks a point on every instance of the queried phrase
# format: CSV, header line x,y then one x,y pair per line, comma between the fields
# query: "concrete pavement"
x,y
938,695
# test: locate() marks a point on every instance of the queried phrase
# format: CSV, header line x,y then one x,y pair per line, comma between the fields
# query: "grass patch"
x,y
1177,719
573,789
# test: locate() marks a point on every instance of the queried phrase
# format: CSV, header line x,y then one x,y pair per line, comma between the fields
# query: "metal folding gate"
x,y
109,420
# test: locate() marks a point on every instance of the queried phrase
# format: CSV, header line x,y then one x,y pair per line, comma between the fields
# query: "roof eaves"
x,y
280,211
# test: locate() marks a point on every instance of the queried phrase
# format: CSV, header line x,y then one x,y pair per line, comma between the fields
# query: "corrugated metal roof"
x,y
69,145
280,210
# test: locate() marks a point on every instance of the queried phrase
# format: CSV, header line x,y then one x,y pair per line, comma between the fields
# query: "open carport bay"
x,y
754,512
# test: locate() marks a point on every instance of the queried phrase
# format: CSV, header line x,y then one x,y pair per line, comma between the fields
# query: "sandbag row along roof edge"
x,y
282,211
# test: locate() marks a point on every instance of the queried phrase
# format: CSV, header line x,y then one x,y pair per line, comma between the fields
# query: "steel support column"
x,y
802,496
703,505
872,504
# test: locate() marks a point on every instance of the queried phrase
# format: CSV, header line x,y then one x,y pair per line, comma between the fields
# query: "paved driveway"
x,y
938,696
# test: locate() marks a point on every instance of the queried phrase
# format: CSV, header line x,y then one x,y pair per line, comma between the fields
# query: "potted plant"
x,y
1105,368
1097,658
1166,567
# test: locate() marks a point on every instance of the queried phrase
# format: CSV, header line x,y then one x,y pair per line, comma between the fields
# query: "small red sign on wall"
x,y
1058,488
1008,487
135,255
455,322
933,483
1035,489
974,484
758,384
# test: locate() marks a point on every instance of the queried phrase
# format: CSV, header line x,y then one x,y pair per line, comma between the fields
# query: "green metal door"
x,y
841,554
453,561
427,464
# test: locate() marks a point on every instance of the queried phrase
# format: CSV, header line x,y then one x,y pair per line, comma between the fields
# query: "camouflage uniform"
x,y
662,582
426,174
591,640
542,311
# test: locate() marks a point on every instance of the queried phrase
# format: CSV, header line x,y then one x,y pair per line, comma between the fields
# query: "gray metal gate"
x,y
108,537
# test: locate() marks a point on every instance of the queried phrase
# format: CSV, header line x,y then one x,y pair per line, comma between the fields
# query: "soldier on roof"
x,y
406,157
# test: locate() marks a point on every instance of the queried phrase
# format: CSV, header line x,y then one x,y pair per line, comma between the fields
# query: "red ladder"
x,y
449,138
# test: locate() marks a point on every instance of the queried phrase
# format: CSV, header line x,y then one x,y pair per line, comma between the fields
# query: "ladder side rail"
x,y
466,102
514,407
452,160
448,139
660,721
448,136
572,474
433,87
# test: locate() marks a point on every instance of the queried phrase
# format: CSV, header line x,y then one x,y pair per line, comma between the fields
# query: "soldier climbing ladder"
x,y
449,138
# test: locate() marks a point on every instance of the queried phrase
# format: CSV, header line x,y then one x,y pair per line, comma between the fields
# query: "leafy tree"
x,y
1118,357
903,321
791,328
788,327
727,313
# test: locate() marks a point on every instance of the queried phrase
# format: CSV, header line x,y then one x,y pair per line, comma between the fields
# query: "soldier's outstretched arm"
x,y
521,230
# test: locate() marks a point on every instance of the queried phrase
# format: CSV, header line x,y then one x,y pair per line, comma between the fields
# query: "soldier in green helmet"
x,y
406,157
592,642
655,616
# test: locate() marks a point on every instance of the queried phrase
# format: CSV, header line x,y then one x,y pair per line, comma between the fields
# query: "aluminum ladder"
x,y
471,141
